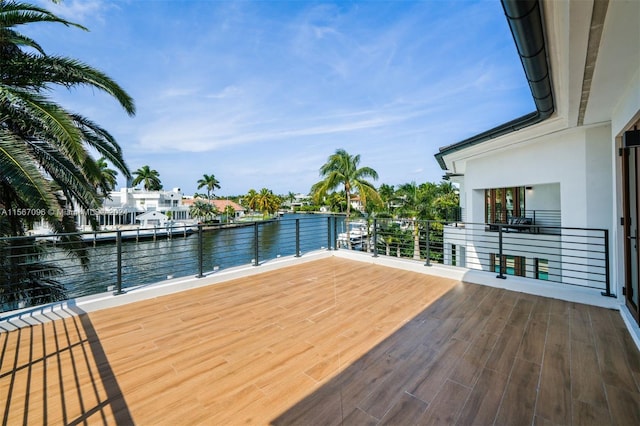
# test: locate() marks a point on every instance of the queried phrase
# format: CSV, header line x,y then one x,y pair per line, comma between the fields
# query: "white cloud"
x,y
227,92
177,92
205,127
80,11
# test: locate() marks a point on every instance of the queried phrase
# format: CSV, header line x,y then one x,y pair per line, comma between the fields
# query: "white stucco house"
x,y
123,207
567,175
299,200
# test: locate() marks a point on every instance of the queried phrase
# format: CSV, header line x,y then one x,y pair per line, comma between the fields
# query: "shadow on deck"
x,y
330,341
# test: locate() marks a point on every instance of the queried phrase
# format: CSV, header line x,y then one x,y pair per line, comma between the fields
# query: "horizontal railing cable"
x,y
39,268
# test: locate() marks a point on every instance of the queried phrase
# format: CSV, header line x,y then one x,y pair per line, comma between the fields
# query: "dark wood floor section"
x,y
327,342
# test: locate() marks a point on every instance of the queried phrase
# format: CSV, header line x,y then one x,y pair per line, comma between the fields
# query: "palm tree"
x,y
446,204
341,170
390,234
108,179
387,193
45,150
336,201
290,197
26,279
267,202
412,207
210,182
203,210
417,205
275,202
229,212
251,199
149,178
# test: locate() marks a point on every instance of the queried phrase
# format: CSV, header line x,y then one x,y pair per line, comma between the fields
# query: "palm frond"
x,y
365,172
75,182
71,72
11,37
17,13
102,141
56,70
32,115
20,171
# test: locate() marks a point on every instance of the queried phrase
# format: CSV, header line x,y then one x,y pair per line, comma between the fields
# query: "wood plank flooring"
x,y
332,341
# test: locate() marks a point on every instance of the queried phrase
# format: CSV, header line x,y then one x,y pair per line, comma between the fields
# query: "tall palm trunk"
x,y
416,240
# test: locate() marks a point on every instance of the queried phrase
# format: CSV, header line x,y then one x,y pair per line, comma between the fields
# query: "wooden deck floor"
x,y
331,341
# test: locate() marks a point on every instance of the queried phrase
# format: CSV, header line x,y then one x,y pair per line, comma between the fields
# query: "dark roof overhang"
x,y
525,21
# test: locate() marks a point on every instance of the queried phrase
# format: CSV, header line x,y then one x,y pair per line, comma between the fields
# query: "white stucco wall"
x,y
577,161
599,176
544,196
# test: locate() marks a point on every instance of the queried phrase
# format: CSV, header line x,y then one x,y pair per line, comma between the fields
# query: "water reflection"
x,y
146,262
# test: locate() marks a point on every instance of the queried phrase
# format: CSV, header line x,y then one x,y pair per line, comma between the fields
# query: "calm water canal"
x,y
149,261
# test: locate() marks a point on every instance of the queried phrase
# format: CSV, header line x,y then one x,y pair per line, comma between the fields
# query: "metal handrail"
x,y
33,268
570,255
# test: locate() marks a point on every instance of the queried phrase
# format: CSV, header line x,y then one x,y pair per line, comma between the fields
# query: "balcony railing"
x,y
567,256
542,218
46,268
41,269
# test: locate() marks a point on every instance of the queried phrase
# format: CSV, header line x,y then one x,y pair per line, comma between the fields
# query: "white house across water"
x,y
122,207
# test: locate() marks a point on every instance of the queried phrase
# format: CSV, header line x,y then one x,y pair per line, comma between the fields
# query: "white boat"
x,y
358,232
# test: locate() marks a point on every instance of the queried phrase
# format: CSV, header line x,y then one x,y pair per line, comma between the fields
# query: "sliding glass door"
x,y
502,203
631,205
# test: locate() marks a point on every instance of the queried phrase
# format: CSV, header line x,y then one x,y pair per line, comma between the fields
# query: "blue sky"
x,y
261,93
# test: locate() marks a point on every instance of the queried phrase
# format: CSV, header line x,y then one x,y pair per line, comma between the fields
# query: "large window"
x,y
541,268
513,265
502,203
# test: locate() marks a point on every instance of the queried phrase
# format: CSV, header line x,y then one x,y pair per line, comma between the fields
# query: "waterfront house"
x,y
221,206
123,207
356,203
574,162
298,201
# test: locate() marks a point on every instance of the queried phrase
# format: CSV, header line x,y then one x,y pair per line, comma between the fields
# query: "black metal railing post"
x,y
375,237
256,251
329,233
118,262
200,251
501,257
335,232
297,238
607,271
428,254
